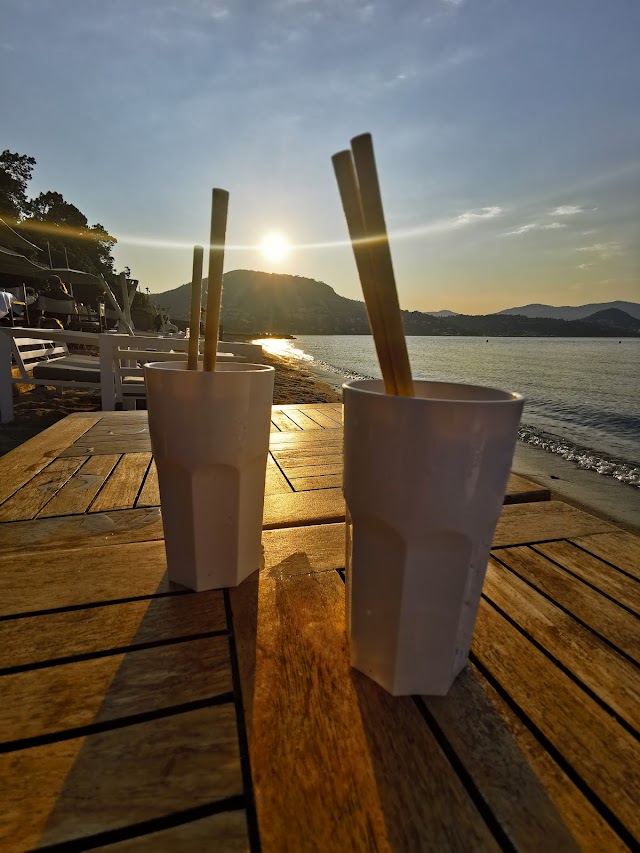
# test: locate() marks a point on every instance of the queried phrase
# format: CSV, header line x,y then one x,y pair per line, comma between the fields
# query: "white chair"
x,y
41,357
122,360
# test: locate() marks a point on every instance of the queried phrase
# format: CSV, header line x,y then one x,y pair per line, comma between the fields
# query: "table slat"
x,y
36,639
112,780
333,757
32,497
617,626
592,661
225,832
22,463
594,571
589,740
537,805
619,548
76,495
123,486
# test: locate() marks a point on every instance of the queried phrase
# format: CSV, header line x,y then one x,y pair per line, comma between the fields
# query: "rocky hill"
x,y
257,303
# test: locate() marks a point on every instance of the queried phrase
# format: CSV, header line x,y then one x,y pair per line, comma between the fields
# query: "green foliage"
x,y
143,312
15,174
49,218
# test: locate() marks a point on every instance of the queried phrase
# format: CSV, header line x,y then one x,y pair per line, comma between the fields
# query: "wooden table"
x,y
146,717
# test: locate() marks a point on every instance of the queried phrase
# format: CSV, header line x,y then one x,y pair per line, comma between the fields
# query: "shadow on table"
x,y
162,735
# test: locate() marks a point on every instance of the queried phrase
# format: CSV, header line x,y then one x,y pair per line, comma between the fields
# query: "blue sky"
x,y
507,135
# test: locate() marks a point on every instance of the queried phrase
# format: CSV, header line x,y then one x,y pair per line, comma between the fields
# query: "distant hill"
x,y
616,318
257,303
571,312
443,313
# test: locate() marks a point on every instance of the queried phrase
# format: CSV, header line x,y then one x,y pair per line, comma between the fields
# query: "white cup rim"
x,y
500,396
221,367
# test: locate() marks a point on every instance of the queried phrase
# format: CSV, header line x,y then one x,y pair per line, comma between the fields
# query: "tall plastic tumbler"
x,y
424,483
210,441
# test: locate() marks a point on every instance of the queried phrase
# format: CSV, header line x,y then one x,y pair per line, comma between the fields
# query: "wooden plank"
x,y
76,495
43,701
24,462
276,483
76,532
116,444
592,570
300,550
301,460
122,488
312,454
305,484
592,661
600,751
519,489
326,418
92,630
150,491
134,774
32,497
619,548
303,421
41,580
617,626
304,438
542,521
333,757
534,801
284,423
319,469
300,508
226,831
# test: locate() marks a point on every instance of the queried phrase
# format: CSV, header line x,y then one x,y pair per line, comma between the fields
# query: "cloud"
x,y
534,226
470,216
567,210
603,250
584,266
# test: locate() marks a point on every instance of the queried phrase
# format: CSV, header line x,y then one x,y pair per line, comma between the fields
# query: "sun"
x,y
275,247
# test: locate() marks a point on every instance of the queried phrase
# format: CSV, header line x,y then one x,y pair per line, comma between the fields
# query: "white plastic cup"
x,y
210,441
424,483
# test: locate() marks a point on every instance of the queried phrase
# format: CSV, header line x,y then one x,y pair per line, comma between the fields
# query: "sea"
x,y
582,394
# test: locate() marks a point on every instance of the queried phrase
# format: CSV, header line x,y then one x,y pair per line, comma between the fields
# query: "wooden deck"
x,y
141,716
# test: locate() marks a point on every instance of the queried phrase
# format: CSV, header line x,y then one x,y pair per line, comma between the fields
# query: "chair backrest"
x,y
27,352
56,306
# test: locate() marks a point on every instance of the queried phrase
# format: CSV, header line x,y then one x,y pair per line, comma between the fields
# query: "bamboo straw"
x,y
350,195
219,206
196,300
376,229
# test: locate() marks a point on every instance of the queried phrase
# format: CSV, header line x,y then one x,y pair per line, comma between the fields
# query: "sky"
x,y
507,136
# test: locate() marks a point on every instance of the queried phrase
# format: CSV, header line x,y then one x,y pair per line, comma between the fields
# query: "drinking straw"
x,y
350,195
196,299
219,206
378,243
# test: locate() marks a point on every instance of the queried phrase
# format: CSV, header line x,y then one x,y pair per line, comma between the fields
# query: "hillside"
x,y
573,312
615,318
258,302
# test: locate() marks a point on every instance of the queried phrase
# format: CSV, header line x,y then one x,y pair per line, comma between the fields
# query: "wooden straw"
x,y
350,195
376,229
196,299
219,206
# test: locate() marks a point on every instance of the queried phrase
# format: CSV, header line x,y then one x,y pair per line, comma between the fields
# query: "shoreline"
x,y
296,382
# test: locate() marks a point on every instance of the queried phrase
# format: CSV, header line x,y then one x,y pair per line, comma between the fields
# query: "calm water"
x,y
582,395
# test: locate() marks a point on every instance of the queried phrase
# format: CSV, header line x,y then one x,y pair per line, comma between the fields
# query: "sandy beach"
x,y
39,407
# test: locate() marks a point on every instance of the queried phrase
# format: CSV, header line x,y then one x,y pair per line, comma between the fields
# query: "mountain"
x,y
615,318
570,312
255,303
443,313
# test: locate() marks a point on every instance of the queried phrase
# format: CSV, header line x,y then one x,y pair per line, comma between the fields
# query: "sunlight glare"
x,y
275,247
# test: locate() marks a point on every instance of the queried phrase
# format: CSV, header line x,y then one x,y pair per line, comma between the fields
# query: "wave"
x,y
582,456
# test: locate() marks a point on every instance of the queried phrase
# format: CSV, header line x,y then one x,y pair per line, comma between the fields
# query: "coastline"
x,y
296,382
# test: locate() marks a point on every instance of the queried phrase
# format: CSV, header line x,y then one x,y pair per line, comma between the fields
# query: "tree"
x,y
67,231
15,174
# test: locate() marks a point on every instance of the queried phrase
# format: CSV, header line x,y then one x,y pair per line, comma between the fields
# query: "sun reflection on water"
x,y
284,347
